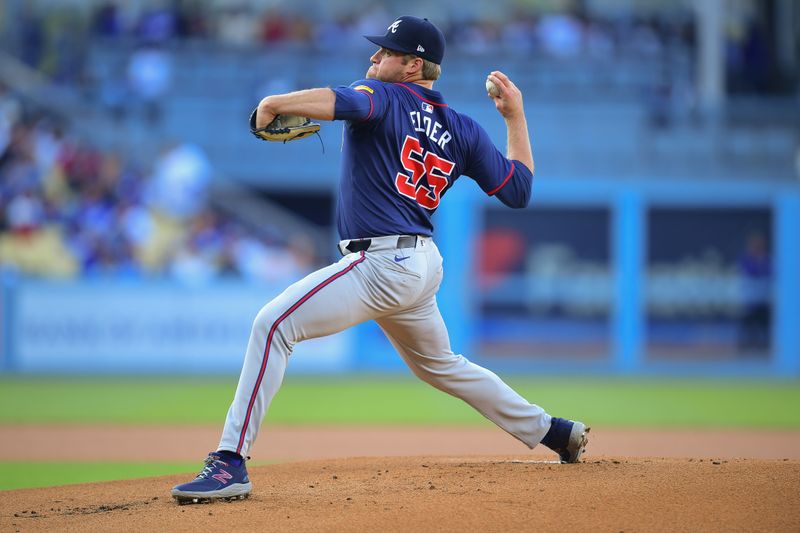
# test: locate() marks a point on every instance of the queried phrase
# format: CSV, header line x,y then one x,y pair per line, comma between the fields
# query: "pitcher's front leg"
x,y
324,302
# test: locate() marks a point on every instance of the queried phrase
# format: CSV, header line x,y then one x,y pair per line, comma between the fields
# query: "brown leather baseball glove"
x,y
284,128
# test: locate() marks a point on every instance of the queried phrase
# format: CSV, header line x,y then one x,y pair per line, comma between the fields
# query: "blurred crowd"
x,y
68,209
56,40
563,34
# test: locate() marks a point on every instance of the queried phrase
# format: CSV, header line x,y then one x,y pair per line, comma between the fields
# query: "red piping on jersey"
x,y
415,93
371,108
274,327
510,173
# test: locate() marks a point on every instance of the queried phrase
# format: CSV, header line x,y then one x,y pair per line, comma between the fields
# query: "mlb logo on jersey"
x,y
428,108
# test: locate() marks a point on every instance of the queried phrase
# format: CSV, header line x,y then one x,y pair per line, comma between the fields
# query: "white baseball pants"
x,y
396,288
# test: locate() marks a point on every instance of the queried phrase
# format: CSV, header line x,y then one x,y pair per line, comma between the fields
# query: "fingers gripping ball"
x,y
492,89
284,128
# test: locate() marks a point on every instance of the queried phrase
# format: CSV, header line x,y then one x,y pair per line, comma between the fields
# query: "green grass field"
x,y
45,474
379,400
368,400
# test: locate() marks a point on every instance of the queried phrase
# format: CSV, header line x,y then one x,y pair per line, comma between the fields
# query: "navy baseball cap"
x,y
412,35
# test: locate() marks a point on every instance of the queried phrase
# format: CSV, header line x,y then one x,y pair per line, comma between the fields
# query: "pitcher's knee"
x,y
269,320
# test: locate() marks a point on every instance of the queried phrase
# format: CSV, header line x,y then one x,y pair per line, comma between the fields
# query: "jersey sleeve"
x,y
362,101
496,175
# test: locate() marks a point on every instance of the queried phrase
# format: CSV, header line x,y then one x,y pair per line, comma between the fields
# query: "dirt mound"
x,y
499,493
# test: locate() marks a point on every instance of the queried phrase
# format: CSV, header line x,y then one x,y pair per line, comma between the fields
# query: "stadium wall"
x,y
84,326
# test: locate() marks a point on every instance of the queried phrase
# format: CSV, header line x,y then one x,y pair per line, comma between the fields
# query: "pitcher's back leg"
x,y
420,336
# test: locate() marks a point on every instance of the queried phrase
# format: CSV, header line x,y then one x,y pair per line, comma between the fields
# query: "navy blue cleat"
x,y
220,479
567,438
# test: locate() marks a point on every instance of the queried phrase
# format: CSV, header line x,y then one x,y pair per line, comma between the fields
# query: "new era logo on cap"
x,y
412,35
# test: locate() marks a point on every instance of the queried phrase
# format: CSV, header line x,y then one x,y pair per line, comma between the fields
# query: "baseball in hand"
x,y
492,89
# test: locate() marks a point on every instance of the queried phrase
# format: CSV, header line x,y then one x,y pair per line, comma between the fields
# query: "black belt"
x,y
362,245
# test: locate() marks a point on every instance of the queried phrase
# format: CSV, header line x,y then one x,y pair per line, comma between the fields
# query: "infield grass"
x,y
371,400
47,474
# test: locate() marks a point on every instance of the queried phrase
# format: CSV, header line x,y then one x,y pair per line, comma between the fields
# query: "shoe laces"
x,y
209,465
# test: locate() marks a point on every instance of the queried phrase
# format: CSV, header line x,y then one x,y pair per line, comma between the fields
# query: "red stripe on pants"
x,y
280,319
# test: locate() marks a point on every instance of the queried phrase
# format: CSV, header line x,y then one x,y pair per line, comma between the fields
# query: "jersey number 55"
x,y
420,163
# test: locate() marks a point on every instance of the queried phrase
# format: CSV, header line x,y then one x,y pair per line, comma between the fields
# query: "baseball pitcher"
x,y
403,149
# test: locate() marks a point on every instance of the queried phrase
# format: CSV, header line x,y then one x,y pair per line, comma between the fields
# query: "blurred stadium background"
x,y
142,227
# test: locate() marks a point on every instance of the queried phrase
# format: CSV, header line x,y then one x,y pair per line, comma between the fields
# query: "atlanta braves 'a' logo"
x,y
393,27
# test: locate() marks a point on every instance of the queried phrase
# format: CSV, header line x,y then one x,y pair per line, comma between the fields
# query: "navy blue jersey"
x,y
403,148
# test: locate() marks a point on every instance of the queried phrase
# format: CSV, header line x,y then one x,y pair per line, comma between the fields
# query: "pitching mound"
x,y
470,493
